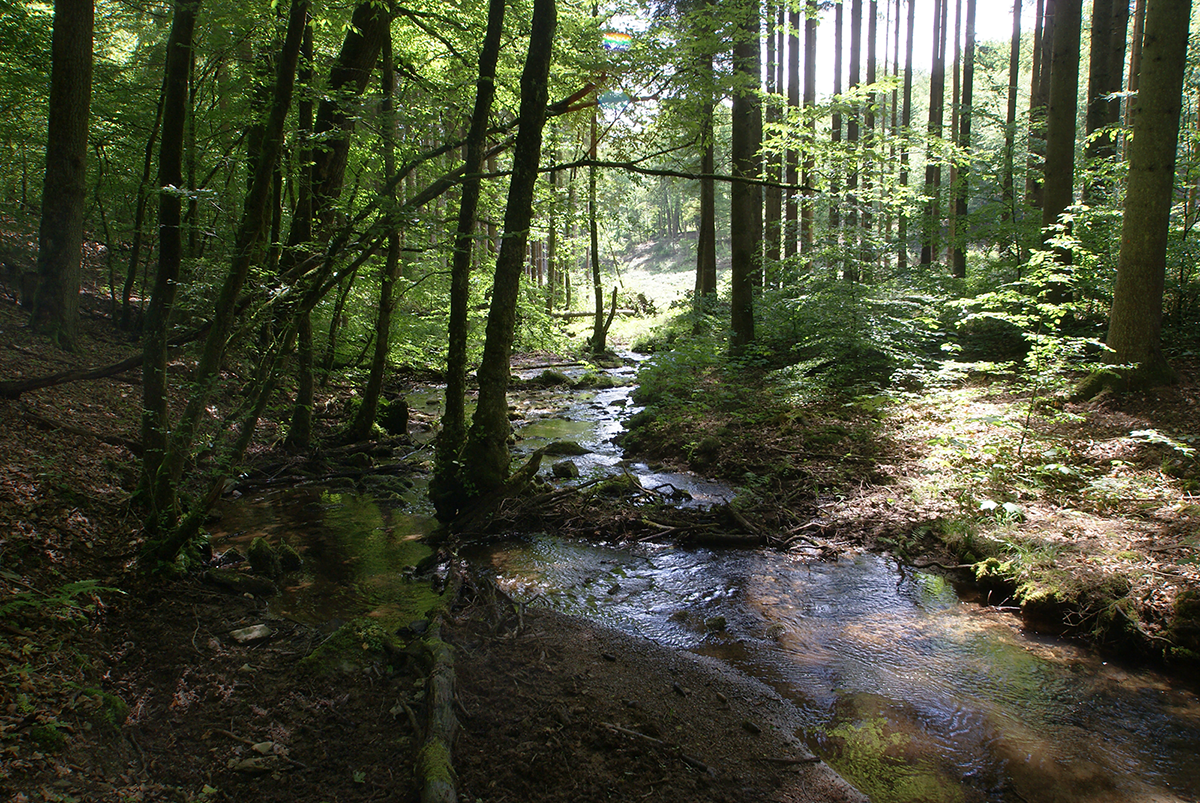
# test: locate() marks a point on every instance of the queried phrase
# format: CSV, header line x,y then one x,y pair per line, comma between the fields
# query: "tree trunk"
x,y
955,101
1101,84
745,216
316,209
835,137
300,430
906,127
1135,322
485,456
1039,99
247,245
454,427
597,340
139,217
1135,56
932,218
155,416
1116,67
867,252
706,238
1060,118
807,212
964,143
772,195
364,420
1008,199
64,189
852,236
791,228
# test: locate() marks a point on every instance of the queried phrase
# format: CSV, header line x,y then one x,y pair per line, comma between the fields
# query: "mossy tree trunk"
x,y
248,245
360,427
485,459
444,488
155,424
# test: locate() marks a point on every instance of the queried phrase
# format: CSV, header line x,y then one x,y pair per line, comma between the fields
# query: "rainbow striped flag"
x,y
617,41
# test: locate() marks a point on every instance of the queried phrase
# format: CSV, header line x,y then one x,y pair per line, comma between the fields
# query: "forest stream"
x,y
909,687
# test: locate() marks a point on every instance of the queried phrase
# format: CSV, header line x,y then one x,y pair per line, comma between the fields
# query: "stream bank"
x,y
118,697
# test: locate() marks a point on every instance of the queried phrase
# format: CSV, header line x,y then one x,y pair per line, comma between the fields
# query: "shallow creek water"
x,y
910,692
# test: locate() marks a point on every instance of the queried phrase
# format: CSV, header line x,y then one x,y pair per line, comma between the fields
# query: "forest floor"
x,y
114,687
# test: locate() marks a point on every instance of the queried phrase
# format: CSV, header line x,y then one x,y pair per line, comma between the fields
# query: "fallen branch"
x,y
695,763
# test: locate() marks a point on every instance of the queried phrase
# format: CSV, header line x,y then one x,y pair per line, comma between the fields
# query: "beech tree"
x,y
450,441
60,236
485,459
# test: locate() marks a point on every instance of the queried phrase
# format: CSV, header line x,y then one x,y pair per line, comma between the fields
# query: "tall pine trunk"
x,y
962,186
931,220
1008,196
791,228
745,216
807,211
906,129
1059,172
1135,322
850,269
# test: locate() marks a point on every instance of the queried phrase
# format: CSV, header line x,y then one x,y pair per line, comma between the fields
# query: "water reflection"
x,y
355,552
912,694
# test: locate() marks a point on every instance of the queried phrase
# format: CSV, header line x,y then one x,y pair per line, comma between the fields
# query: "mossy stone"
x,y
289,558
393,416
263,559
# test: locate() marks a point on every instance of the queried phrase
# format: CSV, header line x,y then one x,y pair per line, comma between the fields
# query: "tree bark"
x,y
932,217
1008,199
454,426
316,212
852,235
139,217
364,420
1059,171
835,136
1039,99
865,271
1135,322
807,211
906,127
959,255
155,415
1135,56
1102,82
485,455
745,216
772,195
791,228
247,245
64,189
597,342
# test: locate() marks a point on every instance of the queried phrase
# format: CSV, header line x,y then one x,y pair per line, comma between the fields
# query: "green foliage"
x,y
847,336
70,602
